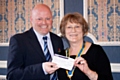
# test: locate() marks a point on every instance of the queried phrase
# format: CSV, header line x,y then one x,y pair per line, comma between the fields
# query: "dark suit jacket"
x,y
25,56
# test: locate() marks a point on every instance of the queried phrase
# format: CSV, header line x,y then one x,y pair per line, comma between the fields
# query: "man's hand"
x,y
50,67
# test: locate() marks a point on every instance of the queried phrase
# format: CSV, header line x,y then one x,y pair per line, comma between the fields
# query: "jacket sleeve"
x,y
103,65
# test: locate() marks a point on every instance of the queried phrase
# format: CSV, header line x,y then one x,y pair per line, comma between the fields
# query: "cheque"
x,y
63,61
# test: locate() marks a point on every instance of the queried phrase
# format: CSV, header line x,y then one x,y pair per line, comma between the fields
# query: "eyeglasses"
x,y
76,28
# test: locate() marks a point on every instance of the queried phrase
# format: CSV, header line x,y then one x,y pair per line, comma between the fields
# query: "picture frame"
x,y
91,36
61,9
61,4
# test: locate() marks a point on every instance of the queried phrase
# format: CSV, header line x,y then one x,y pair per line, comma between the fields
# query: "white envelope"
x,y
63,61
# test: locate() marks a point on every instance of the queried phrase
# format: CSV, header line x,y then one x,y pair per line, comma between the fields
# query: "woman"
x,y
91,62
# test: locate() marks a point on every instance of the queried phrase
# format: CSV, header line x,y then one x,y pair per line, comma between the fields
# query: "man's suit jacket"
x,y
25,56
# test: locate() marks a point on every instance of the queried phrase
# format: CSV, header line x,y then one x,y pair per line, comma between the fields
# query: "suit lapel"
x,y
35,43
53,42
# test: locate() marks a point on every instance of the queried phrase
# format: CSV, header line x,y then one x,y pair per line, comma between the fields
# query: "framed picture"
x,y
100,28
15,19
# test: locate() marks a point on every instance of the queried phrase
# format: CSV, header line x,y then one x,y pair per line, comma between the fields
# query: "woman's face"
x,y
73,32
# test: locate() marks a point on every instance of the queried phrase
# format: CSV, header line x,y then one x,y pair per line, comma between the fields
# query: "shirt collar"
x,y
39,36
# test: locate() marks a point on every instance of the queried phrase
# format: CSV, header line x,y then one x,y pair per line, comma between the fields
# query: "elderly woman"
x,y
91,62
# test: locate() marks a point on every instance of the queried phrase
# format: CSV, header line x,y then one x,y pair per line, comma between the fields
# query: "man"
x,y
26,58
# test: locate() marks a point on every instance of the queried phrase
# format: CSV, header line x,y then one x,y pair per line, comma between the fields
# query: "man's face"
x,y
42,20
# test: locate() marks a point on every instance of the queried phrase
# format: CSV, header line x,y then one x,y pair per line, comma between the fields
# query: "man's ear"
x,y
30,18
52,21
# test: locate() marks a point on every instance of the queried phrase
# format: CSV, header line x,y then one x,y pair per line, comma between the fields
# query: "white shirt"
x,y
41,41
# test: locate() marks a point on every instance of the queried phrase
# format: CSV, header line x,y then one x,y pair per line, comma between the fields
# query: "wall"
x,y
3,58
71,6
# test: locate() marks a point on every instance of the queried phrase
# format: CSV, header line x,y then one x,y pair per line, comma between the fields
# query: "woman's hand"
x,y
81,63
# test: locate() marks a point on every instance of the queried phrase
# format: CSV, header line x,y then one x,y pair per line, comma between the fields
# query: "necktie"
x,y
46,51
48,57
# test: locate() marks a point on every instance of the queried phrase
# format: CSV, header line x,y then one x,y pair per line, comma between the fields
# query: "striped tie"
x,y
46,51
48,57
